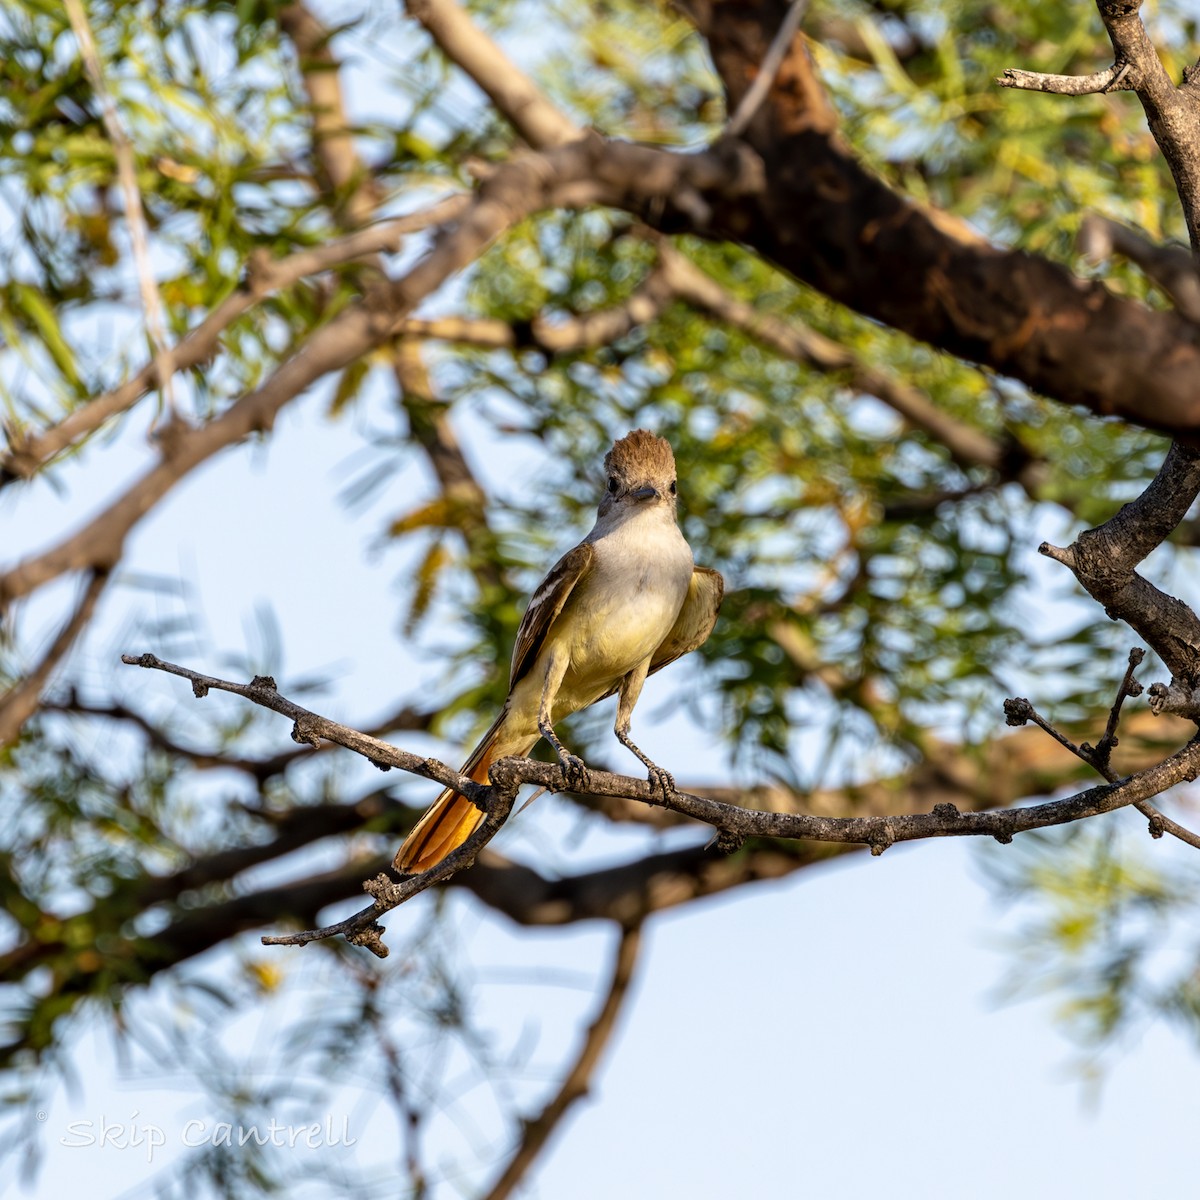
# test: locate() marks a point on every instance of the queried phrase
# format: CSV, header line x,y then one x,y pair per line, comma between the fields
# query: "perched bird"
x,y
622,604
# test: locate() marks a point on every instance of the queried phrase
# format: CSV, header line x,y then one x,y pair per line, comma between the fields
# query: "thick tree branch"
x,y
830,222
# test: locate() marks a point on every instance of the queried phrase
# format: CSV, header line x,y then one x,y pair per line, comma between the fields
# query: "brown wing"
x,y
696,618
546,604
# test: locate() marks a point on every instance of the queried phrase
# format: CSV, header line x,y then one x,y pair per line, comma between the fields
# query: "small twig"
x,y
1129,688
1019,711
772,61
309,727
127,175
536,1131
1110,79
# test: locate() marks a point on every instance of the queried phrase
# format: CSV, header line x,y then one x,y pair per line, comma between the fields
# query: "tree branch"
x,y
514,94
1103,561
536,1132
830,222
27,455
23,699
1172,268
733,824
1108,80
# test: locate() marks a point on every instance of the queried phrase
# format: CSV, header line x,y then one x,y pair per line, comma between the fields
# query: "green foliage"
x,y
875,584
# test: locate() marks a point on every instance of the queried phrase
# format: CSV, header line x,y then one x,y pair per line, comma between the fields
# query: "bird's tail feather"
x,y
452,818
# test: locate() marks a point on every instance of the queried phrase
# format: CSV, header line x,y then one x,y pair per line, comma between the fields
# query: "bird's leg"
x,y
660,777
573,767
631,689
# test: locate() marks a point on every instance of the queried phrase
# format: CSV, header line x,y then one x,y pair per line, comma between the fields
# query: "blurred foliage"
x,y
877,590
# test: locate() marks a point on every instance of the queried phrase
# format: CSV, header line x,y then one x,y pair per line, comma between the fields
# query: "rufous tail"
x,y
452,818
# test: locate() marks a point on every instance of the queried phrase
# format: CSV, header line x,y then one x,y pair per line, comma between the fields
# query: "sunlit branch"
x,y
732,823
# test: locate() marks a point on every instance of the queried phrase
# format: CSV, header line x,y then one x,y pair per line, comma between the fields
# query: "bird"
x,y
624,603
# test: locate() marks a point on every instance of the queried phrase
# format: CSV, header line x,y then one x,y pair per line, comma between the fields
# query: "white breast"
x,y
632,595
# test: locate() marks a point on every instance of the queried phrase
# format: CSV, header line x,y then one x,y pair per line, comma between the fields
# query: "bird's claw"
x,y
575,772
662,781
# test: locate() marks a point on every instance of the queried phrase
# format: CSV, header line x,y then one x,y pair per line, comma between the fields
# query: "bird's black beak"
x,y
645,493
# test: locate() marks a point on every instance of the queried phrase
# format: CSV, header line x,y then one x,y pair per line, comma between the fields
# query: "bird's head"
x,y
640,472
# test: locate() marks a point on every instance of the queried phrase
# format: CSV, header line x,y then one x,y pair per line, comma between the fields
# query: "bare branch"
x,y
23,699
1103,560
134,214
1171,267
513,93
1172,113
757,93
536,1132
1019,711
1108,80
733,824
263,276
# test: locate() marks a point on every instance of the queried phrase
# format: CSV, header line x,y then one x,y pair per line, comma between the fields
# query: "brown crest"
x,y
641,455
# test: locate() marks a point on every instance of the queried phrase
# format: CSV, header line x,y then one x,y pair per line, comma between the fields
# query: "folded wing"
x,y
696,618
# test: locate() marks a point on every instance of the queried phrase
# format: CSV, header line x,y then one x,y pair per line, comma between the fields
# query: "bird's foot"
x,y
662,781
575,773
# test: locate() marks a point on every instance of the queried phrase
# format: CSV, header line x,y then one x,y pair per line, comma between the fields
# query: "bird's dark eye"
x,y
612,483
672,487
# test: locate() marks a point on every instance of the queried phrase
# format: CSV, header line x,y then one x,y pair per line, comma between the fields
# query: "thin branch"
x,y
734,824
23,699
758,90
1020,710
1172,268
263,276
406,719
536,1132
135,216
590,171
1129,687
797,341
308,727
513,93
333,143
1109,80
